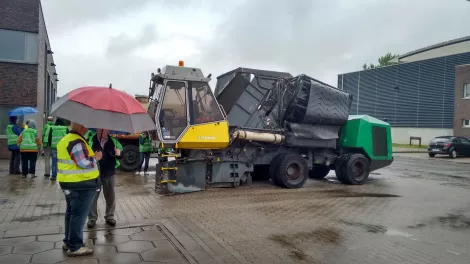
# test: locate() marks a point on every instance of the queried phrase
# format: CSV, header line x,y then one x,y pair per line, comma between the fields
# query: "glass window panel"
x,y
31,47
205,107
12,45
173,114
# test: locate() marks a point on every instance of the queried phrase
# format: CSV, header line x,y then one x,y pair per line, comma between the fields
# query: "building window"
x,y
466,90
18,46
466,123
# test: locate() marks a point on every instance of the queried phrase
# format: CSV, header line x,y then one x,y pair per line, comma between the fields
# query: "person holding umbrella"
x,y
29,144
13,132
78,176
111,149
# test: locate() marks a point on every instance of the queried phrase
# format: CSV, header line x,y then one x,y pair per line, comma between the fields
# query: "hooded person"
x,y
29,144
13,131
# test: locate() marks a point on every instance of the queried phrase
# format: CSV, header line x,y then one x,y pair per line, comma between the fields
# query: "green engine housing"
x,y
370,136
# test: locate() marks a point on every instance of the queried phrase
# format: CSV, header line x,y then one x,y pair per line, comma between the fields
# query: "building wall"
x,y
457,48
46,84
462,106
19,15
401,135
18,84
416,94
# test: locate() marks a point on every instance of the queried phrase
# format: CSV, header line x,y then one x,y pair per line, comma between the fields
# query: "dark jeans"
x,y
15,162
144,156
78,206
54,163
28,157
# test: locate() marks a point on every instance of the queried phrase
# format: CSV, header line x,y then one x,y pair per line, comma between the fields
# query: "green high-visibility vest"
x,y
147,145
45,133
58,132
11,136
28,141
89,136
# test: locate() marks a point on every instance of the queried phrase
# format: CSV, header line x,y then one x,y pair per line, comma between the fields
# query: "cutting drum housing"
x,y
262,125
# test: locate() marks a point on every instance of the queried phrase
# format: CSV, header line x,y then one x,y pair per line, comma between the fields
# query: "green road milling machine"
x,y
259,124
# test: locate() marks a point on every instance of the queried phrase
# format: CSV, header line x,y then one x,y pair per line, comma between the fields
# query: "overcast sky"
x,y
97,42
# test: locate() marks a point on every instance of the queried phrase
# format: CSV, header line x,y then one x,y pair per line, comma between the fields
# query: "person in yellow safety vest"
x,y
54,134
78,176
13,132
47,146
145,149
29,144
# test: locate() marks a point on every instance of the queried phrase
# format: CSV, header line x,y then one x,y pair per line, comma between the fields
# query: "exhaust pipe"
x,y
257,136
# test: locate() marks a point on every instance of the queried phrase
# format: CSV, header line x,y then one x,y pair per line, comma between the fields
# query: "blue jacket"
x,y
17,131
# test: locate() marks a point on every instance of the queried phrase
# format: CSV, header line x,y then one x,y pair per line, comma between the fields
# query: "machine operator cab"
x,y
187,114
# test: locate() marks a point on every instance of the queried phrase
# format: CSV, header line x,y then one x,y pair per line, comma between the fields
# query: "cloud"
x,y
120,41
123,44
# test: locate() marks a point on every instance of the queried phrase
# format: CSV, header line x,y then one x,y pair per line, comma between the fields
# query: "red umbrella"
x,y
103,107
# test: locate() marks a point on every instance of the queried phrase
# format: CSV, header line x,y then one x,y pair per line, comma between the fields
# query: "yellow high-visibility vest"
x,y
67,170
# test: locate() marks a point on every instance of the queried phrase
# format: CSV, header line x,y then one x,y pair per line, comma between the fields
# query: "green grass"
x,y
408,146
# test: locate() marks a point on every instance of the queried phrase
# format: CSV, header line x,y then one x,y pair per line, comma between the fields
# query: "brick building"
x,y
28,74
462,101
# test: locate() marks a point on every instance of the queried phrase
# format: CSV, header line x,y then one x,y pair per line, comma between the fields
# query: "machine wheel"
x,y
274,167
319,172
453,154
292,171
354,169
129,158
431,155
339,166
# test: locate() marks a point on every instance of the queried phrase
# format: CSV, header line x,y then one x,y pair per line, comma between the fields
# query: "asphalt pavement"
x,y
415,211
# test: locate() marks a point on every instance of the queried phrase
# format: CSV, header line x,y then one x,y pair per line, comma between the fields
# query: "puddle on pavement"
x,y
455,184
455,221
324,235
370,228
36,218
417,226
343,193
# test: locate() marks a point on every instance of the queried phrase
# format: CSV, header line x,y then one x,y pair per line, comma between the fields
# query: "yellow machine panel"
x,y
205,136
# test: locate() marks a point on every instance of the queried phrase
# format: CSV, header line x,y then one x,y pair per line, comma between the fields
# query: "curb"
x,y
410,151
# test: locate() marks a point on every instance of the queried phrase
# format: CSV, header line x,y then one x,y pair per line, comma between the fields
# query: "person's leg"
x,y
147,159
67,219
47,161
32,166
17,161
93,214
12,162
54,164
108,185
24,163
80,206
141,161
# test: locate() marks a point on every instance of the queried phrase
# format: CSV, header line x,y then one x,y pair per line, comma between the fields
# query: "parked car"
x,y
449,145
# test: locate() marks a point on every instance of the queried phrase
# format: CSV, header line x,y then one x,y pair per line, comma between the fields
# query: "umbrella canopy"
x,y
103,107
21,111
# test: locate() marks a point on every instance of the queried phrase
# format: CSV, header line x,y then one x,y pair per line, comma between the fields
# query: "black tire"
x,y
453,153
274,167
130,158
319,172
431,155
339,166
292,171
355,169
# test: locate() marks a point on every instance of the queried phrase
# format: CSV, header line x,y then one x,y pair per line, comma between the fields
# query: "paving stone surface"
x,y
416,211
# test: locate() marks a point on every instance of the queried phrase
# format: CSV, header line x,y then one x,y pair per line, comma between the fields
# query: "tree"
x,y
385,60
